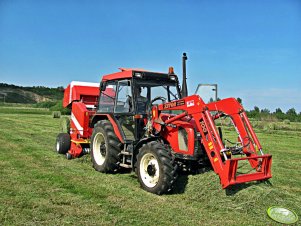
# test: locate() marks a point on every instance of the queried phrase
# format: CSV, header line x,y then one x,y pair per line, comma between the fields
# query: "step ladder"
x,y
127,154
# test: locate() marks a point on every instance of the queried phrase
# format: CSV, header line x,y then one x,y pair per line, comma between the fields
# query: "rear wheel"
x,y
63,143
156,169
104,147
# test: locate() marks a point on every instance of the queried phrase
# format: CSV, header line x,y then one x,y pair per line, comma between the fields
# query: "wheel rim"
x,y
57,146
99,148
149,170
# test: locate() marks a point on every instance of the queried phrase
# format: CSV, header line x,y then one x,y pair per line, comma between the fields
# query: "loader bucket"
x,y
231,176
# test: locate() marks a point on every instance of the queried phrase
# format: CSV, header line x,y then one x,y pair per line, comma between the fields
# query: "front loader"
x,y
141,120
198,122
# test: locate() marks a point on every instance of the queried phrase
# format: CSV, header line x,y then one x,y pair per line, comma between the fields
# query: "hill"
x,y
29,95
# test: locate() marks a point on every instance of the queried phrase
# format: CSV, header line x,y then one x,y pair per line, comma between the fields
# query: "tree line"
x,y
265,114
56,94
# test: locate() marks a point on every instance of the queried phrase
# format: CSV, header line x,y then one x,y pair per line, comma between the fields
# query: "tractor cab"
x,y
129,95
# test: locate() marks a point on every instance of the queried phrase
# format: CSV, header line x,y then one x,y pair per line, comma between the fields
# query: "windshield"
x,y
146,91
153,89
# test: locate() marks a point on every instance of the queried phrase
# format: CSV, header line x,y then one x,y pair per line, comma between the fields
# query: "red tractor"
x,y
142,120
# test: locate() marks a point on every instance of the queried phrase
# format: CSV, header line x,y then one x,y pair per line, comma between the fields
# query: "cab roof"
x,y
130,73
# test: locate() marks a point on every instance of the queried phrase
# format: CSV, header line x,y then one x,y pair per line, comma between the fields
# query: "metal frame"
x,y
213,85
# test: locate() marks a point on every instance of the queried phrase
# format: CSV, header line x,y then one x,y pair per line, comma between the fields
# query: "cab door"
x,y
124,108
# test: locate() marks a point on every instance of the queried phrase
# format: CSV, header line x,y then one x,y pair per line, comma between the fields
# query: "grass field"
x,y
24,110
39,187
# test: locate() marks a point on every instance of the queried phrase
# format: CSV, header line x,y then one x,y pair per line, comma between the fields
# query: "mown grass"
x,y
24,110
39,187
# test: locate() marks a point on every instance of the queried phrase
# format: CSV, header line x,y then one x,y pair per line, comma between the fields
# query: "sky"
x,y
251,49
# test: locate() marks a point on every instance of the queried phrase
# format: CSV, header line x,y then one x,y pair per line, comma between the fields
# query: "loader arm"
x,y
225,166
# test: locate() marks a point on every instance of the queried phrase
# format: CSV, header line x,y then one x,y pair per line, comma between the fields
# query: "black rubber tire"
x,y
167,167
68,156
63,143
103,135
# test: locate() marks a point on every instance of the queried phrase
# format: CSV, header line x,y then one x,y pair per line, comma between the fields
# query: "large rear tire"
x,y
105,147
156,168
63,143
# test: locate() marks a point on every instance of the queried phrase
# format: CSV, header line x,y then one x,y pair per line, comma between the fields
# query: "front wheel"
x,y
156,169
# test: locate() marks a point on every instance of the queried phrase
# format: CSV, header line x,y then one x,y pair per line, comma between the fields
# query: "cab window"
x,y
124,102
107,97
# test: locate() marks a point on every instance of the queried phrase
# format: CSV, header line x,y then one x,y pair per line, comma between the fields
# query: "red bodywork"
x,y
171,134
198,115
86,92
82,98
196,121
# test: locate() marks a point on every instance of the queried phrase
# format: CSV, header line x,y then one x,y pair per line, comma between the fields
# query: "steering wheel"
x,y
163,99
150,104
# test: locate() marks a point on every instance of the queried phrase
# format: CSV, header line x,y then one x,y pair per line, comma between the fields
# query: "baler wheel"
x,y
63,143
156,168
104,147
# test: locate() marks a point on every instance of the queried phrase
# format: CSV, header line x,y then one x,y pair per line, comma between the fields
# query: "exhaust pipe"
x,y
184,90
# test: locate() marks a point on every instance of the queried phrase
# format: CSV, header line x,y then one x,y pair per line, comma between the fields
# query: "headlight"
x,y
138,74
172,77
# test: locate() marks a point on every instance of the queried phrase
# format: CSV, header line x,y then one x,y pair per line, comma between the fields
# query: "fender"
x,y
117,129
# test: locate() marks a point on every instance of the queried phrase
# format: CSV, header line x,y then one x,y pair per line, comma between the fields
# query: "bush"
x,y
258,125
45,104
54,106
268,118
59,107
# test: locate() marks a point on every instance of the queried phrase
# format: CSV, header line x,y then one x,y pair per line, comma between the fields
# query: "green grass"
x,y
23,109
39,187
